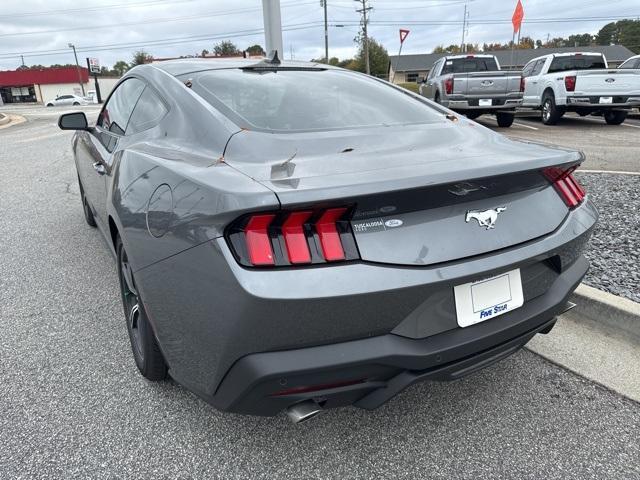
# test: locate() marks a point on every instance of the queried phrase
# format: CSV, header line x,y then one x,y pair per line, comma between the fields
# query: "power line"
x,y
91,9
161,42
148,22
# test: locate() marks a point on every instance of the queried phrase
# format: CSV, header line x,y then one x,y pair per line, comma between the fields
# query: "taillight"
x,y
522,84
448,85
570,83
291,238
565,184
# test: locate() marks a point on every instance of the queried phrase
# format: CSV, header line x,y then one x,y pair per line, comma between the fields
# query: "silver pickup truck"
x,y
474,85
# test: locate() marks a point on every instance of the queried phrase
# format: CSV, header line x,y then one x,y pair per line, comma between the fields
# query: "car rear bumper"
x,y
594,101
497,104
368,372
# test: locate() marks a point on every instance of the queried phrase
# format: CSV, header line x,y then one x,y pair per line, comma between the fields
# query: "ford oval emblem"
x,y
610,80
394,222
486,83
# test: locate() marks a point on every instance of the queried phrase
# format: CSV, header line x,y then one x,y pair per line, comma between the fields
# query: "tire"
x,y
615,117
76,103
550,112
505,120
145,348
49,104
88,214
473,115
436,98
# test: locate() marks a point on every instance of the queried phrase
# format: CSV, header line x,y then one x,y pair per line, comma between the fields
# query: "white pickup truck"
x,y
579,82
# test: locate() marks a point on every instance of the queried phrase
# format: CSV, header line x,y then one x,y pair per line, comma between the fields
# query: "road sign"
x,y
94,65
403,34
518,15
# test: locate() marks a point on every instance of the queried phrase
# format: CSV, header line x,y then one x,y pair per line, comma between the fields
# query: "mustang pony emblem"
x,y
486,218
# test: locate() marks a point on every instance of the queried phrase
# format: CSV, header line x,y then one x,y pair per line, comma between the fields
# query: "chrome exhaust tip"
x,y
303,411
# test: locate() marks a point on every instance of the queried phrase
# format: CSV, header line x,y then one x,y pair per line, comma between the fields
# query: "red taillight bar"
x,y
570,83
522,84
566,185
328,233
257,238
291,238
294,237
448,85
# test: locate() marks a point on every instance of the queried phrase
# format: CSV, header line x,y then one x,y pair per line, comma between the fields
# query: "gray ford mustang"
x,y
293,236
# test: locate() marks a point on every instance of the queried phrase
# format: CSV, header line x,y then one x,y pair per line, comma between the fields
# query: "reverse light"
x,y
448,85
570,83
293,238
565,184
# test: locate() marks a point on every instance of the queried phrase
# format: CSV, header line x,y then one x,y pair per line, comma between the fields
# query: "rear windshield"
x,y
577,62
294,100
461,65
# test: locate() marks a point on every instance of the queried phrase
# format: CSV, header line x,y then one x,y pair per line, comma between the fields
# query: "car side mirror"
x,y
73,121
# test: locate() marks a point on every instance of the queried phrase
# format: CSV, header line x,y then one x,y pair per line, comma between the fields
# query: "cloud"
x,y
166,28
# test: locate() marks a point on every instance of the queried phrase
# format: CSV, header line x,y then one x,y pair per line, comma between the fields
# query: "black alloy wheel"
x,y
145,348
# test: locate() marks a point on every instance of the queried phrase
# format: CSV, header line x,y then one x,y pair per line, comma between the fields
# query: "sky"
x,y
112,30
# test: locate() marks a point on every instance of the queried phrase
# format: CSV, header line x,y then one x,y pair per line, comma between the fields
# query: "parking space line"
x,y
525,126
629,125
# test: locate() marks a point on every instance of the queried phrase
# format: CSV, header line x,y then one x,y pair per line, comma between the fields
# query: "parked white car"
x,y
579,82
67,100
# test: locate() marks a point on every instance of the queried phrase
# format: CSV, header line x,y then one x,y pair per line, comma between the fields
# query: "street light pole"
x,y
71,45
326,32
272,26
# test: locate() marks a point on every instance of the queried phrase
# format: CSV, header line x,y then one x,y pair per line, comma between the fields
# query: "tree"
x,y
525,43
255,50
378,58
204,53
334,61
140,58
226,48
120,68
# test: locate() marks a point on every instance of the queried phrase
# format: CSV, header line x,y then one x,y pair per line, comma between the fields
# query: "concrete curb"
x,y
618,313
4,119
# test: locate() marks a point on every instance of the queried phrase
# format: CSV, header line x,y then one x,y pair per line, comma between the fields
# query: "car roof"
x,y
191,65
469,55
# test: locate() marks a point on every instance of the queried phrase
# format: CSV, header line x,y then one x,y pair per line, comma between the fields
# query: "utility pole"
x,y
71,45
22,57
364,11
326,32
272,26
465,17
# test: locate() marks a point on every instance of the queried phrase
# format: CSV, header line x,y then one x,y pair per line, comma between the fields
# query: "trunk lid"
x,y
479,84
413,186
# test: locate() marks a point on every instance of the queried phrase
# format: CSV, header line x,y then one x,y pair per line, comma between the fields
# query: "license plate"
x,y
485,102
606,99
488,298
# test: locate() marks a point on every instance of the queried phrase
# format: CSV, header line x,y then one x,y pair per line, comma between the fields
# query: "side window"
x,y
528,68
115,114
434,69
148,112
538,67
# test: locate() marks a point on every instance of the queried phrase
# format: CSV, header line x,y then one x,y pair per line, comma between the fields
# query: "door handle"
x,y
98,167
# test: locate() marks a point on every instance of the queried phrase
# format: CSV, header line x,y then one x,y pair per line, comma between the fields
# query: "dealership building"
x,y
41,85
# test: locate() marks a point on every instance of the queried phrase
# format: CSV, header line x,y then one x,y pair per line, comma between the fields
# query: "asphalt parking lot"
x,y
74,406
607,147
